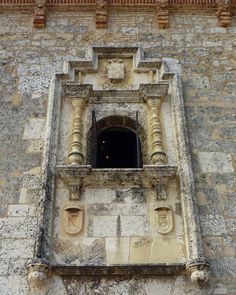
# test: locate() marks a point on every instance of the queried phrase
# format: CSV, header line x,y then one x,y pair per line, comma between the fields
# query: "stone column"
x,y
76,156
158,155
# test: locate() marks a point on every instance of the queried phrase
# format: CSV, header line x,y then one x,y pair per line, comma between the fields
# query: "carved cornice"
x,y
223,8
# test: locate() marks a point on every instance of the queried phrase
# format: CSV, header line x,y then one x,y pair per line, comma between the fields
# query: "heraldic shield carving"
x,y
115,69
163,219
73,219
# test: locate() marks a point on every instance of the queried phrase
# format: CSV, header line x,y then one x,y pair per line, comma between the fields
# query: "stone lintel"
x,y
123,270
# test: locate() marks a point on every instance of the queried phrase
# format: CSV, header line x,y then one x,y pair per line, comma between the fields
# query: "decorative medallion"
x,y
73,219
163,219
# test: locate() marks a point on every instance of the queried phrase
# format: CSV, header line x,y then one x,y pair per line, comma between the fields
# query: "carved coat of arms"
x,y
115,69
163,219
73,219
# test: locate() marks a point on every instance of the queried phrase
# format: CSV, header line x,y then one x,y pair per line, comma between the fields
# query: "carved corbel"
x,y
163,14
38,270
224,13
40,14
101,14
199,270
74,192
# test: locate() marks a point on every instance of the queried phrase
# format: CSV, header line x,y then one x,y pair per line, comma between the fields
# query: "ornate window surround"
x,y
169,71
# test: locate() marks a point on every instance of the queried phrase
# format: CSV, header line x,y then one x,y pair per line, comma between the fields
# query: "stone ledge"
x,y
86,176
120,270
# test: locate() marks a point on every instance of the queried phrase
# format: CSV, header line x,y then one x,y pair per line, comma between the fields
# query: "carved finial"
x,y
224,13
38,269
101,14
39,14
163,14
199,269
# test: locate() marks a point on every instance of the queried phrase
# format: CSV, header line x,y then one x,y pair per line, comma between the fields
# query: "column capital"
x,y
82,91
153,91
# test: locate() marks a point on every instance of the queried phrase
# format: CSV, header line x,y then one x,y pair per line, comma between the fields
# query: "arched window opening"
x,y
117,148
125,143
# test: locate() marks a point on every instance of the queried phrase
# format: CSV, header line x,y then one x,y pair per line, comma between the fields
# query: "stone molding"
x,y
169,72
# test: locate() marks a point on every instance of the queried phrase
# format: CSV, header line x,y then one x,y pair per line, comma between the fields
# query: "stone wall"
x,y
30,57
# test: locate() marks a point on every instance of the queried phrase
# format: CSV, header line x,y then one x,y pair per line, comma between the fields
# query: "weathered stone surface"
x,y
29,58
215,162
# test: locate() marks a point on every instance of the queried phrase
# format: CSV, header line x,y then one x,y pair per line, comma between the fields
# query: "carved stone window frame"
x,y
170,74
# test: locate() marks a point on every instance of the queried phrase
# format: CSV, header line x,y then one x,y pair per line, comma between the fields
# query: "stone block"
x,y
140,248
106,226
132,226
18,266
117,250
4,266
17,248
36,146
213,225
34,129
215,162
32,181
98,196
14,285
166,250
21,210
29,196
13,227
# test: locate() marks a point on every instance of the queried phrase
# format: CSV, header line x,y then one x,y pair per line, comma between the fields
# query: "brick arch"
x,y
122,122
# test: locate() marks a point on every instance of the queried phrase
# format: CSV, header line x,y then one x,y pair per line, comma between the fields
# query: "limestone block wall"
x,y
30,57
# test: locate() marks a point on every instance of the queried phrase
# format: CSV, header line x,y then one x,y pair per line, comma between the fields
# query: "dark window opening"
x,y
117,148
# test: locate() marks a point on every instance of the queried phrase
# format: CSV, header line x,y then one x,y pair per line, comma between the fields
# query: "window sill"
x,y
120,270
147,176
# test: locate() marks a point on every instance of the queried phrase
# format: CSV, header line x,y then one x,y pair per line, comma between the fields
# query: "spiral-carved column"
x,y
76,156
158,155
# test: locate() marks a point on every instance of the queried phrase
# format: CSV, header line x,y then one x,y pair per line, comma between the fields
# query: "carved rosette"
x,y
199,270
39,14
163,14
101,14
38,272
224,13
